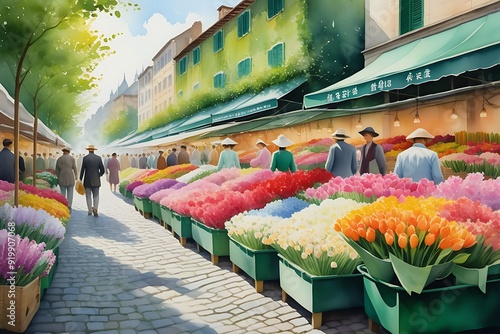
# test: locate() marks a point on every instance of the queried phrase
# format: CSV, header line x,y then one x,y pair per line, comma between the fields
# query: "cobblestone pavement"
x,y
121,273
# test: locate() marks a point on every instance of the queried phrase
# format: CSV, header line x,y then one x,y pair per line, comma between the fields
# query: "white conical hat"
x,y
282,141
260,141
420,133
228,141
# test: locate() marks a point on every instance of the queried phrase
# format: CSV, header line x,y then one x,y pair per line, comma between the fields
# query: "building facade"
x,y
145,96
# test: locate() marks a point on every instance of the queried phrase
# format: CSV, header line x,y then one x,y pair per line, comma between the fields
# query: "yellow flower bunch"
x,y
52,206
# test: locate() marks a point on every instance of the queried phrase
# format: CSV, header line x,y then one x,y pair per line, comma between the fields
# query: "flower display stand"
x,y
447,172
166,217
128,194
155,206
181,225
261,265
443,307
18,305
213,240
46,281
144,206
319,294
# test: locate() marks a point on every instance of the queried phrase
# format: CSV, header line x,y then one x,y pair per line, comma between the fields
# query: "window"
x,y
183,65
274,7
244,67
219,80
164,83
411,15
169,80
218,41
244,24
196,55
275,56
196,86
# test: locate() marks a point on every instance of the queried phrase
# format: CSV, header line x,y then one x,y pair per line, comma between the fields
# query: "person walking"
x,y
143,161
113,170
183,157
172,158
125,161
28,164
204,155
341,159
134,163
418,162
213,156
7,168
228,157
263,159
196,157
67,174
282,159
92,170
39,163
161,162
372,155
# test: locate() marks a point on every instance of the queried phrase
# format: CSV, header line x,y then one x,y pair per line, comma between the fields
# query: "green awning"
x,y
265,100
470,46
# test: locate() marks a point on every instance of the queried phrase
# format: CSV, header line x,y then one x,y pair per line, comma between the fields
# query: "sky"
x,y
143,33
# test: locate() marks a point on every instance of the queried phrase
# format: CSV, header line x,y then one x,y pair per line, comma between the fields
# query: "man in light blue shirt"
x,y
418,162
342,156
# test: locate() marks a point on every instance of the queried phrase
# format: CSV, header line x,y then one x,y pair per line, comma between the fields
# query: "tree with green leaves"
x,y
27,29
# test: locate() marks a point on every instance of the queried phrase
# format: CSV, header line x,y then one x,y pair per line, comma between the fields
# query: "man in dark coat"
x,y
91,172
172,158
7,172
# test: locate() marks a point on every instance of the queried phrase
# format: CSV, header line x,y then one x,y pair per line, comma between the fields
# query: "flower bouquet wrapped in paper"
x,y
309,240
30,261
419,244
34,224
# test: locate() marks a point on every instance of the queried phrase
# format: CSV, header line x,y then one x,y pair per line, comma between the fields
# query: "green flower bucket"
x,y
261,265
213,240
476,276
181,225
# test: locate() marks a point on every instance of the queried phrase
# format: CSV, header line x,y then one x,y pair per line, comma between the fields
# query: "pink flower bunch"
x,y
159,195
467,158
147,189
464,209
181,198
473,187
489,230
134,185
222,176
491,158
4,196
30,260
245,182
373,185
46,193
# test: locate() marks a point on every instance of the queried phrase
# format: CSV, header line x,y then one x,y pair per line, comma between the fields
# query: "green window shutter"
x,y
274,7
275,56
411,15
244,67
220,80
218,41
243,24
183,65
196,55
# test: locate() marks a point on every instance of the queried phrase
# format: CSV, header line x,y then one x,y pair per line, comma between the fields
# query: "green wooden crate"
x,y
156,210
443,307
261,265
181,225
214,240
320,293
46,281
128,194
143,204
166,215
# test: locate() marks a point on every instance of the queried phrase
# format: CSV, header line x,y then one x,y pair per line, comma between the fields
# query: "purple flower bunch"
x,y
134,185
37,225
147,189
27,259
474,187
159,195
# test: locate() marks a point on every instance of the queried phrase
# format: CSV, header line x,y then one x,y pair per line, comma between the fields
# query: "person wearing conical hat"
x,y
263,159
228,158
341,159
282,159
418,162
90,174
372,155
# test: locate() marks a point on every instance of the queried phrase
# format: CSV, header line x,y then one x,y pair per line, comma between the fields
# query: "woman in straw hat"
x,y
282,159
263,159
418,162
342,156
228,158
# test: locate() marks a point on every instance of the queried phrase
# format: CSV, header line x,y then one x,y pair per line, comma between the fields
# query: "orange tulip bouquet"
x,y
407,238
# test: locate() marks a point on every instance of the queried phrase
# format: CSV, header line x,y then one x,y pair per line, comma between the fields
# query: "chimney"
x,y
223,10
196,30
